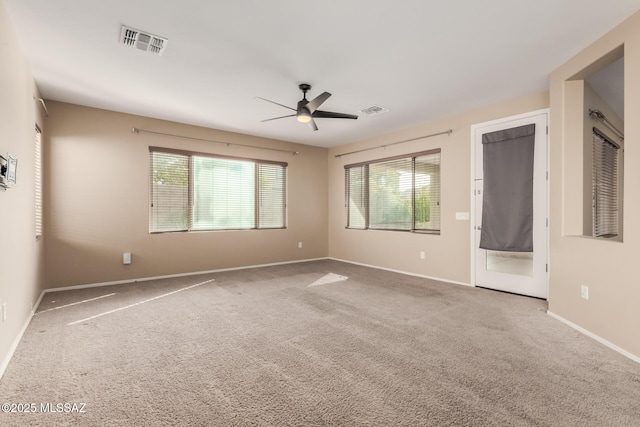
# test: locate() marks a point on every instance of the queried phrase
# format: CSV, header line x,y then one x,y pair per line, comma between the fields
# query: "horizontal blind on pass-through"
x,y
604,186
38,181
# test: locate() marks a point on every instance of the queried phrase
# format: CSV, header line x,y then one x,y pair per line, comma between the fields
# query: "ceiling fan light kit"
x,y
307,110
304,116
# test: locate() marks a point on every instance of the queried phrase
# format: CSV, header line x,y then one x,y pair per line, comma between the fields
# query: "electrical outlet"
x,y
584,291
4,311
422,255
300,245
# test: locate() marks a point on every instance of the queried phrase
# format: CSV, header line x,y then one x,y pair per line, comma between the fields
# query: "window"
x,y
38,182
604,185
196,191
400,193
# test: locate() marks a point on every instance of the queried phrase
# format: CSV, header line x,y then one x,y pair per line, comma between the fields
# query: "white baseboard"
x,y
37,304
18,338
439,279
595,337
170,276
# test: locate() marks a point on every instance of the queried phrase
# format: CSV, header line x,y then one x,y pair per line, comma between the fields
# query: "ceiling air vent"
x,y
372,111
142,40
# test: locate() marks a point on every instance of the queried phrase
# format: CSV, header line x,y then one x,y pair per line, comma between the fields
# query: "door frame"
x,y
472,186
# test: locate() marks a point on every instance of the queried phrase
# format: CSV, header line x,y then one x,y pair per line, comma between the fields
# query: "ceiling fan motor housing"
x,y
303,114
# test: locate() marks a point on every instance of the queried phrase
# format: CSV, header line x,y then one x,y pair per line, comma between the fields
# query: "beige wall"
x,y
447,254
607,267
97,201
20,254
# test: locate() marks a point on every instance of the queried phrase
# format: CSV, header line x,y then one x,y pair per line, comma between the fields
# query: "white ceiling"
x,y
421,59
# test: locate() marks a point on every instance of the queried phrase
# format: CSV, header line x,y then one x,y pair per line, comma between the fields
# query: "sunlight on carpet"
x,y
329,278
139,303
75,303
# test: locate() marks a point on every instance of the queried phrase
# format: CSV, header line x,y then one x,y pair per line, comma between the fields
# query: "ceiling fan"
x,y
308,110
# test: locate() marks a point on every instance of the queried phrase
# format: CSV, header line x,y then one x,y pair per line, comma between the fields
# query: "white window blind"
x,y
390,193
38,181
605,186
169,192
272,196
427,192
223,194
400,193
196,191
356,197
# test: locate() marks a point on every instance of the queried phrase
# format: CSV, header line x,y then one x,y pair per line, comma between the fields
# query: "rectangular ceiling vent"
x,y
143,40
372,111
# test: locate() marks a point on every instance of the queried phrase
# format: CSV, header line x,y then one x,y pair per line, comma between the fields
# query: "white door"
x,y
522,273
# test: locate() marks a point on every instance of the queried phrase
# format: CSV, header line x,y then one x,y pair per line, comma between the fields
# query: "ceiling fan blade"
x,y
313,125
332,115
273,102
276,118
317,101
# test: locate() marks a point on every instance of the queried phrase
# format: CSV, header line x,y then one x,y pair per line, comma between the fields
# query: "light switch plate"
x,y
462,216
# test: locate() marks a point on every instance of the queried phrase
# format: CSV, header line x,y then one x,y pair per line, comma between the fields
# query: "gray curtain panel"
x,y
507,206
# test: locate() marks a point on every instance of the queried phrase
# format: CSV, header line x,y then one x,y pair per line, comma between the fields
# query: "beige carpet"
x,y
312,344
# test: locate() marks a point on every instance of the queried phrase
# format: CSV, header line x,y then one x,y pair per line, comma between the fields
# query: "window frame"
x,y
367,196
190,189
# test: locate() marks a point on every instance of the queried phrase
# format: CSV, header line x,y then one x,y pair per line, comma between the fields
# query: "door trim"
x,y
472,203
